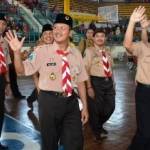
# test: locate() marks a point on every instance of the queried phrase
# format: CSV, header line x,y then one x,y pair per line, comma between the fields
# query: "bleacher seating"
x,y
124,9
16,22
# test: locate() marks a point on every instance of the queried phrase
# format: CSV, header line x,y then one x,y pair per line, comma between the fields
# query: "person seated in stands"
x,y
55,10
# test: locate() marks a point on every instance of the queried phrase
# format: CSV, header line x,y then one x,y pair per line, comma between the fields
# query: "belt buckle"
x,y
106,79
64,94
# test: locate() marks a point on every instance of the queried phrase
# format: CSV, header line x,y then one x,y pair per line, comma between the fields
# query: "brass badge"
x,y
73,78
67,17
52,76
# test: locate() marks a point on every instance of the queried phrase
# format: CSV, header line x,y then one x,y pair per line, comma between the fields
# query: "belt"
x,y
59,94
107,78
102,78
2,74
143,85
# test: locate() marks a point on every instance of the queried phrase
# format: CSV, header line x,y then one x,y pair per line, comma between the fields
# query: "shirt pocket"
x,y
50,66
146,59
75,71
96,60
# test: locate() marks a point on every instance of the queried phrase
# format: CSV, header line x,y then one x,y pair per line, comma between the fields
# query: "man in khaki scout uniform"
x,y
4,79
61,70
100,88
141,50
87,41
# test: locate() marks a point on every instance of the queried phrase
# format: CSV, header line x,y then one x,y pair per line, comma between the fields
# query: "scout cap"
x,y
63,18
47,27
2,17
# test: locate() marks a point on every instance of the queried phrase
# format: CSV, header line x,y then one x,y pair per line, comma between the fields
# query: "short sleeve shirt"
x,y
93,61
48,63
142,52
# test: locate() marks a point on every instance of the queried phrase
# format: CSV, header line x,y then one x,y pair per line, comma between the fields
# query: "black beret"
x,y
63,18
47,27
2,17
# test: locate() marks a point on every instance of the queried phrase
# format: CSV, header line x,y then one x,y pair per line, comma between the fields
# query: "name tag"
x,y
51,64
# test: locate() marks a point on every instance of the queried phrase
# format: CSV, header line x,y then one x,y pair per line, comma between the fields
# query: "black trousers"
x,y
60,121
102,107
2,98
13,81
141,140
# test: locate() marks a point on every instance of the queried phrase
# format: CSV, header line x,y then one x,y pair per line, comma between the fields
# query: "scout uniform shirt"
x,y
142,52
5,47
93,61
85,43
48,63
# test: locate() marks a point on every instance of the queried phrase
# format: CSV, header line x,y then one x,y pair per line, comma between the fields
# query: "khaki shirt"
x,y
142,52
93,61
48,63
5,47
85,43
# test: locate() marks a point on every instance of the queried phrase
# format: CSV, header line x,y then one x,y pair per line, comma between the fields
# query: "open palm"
x,y
13,40
138,14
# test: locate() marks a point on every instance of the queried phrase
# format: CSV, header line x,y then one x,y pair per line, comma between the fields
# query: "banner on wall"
x,y
109,13
10,1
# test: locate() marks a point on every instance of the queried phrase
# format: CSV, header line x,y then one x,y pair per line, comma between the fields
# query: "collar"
x,y
69,48
97,48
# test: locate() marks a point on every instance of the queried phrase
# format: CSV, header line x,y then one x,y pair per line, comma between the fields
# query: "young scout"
x,y
4,79
141,49
46,38
87,41
61,70
100,88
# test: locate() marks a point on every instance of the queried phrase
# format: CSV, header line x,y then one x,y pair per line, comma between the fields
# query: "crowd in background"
x,y
115,32
14,20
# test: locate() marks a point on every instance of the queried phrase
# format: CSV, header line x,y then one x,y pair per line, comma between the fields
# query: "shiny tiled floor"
x,y
121,125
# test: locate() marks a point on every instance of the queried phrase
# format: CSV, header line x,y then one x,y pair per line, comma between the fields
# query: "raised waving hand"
x,y
13,41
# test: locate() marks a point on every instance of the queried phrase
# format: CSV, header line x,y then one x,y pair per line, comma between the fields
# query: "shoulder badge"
x,y
32,56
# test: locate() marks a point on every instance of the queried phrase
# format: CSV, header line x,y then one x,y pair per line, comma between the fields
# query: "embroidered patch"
x,y
32,56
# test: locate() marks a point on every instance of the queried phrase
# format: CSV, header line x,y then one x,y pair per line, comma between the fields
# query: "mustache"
x,y
57,34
